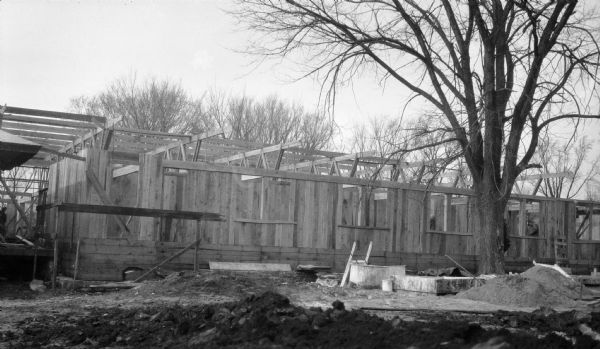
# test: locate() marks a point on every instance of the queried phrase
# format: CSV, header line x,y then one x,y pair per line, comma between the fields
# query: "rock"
x,y
222,315
141,316
319,320
203,337
37,285
338,305
302,318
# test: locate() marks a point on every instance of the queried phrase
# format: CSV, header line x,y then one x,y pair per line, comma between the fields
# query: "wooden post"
x,y
55,263
55,255
196,247
34,262
347,270
76,268
368,255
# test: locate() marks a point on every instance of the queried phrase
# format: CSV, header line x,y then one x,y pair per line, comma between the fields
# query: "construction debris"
x,y
538,286
371,276
438,285
249,266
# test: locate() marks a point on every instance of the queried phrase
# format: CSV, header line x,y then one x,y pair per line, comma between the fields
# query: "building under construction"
x,y
111,198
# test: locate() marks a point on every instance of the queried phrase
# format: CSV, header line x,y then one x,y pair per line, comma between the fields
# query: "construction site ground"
x,y
217,309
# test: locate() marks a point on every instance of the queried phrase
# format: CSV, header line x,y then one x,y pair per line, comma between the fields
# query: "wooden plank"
x,y
249,266
54,114
347,270
48,121
308,177
262,221
344,157
15,125
567,174
125,170
134,211
16,193
45,135
151,132
61,154
165,261
255,152
191,139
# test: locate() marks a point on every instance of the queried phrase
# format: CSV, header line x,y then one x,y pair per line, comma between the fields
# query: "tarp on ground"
x,y
15,151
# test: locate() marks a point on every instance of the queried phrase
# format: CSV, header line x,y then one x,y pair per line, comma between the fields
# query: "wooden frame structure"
x,y
280,203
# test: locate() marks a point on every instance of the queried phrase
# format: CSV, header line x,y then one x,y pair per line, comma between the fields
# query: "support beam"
x,y
345,157
135,211
537,186
11,126
255,152
61,154
191,139
567,174
46,135
16,203
57,115
197,150
165,261
150,132
32,120
107,139
354,167
71,146
16,193
91,176
125,170
279,159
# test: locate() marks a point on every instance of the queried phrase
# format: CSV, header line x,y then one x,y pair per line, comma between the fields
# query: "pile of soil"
x,y
231,284
270,321
537,287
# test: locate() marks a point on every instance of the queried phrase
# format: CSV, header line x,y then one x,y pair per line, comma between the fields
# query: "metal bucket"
x,y
387,285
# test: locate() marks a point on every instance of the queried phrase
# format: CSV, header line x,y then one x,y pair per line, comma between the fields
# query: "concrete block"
x,y
68,283
435,284
366,275
249,266
588,280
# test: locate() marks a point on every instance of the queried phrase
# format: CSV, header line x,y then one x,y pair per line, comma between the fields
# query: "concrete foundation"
x,y
435,284
371,276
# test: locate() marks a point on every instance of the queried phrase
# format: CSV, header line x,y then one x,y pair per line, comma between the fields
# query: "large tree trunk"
x,y
490,237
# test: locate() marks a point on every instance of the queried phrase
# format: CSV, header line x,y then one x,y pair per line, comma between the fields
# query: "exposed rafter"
x,y
191,139
311,164
255,152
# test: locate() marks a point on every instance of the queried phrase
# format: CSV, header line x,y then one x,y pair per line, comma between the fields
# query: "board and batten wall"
x,y
285,216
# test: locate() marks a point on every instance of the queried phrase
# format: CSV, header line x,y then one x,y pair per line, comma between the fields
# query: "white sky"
x,y
51,51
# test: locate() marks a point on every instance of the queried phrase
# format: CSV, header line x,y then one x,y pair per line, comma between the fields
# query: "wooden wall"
x,y
293,213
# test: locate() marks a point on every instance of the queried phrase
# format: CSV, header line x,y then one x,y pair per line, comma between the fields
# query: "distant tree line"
x,y
163,105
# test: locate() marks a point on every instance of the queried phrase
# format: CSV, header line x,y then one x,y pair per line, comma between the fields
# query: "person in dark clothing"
x,y
3,223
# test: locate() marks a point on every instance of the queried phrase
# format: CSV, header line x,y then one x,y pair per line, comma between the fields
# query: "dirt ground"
x,y
278,310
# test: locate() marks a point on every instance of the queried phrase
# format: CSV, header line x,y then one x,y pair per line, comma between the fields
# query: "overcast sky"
x,y
51,51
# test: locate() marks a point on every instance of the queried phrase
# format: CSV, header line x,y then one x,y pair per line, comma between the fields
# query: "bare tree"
x,y
413,141
159,105
498,71
572,161
270,120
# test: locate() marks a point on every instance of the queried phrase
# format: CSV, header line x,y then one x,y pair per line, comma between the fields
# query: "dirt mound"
x,y
265,321
538,286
